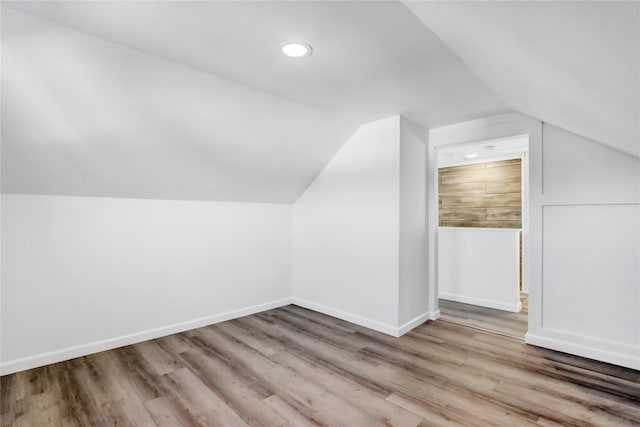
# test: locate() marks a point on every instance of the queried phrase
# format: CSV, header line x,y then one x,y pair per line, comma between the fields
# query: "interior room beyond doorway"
x,y
481,210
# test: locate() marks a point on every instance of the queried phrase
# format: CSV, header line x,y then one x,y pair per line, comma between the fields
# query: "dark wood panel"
x,y
295,367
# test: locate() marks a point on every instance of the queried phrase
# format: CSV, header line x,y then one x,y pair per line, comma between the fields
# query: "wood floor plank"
x,y
434,413
159,360
294,367
295,418
565,411
361,397
487,319
314,400
167,412
121,396
227,384
199,400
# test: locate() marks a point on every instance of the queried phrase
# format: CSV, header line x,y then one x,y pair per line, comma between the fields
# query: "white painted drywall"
x,y
81,274
346,231
413,299
480,266
575,64
371,59
591,260
588,211
359,231
156,99
86,117
584,215
575,165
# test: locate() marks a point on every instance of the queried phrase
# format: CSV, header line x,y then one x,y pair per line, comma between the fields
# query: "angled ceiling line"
x,y
164,58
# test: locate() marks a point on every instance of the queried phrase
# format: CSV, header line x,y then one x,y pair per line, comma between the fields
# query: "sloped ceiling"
x,y
572,64
193,100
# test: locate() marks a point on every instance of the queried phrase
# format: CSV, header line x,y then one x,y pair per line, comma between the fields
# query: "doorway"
x,y
482,228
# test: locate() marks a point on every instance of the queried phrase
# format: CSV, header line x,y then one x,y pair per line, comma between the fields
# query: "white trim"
x,y
488,128
508,125
353,318
569,199
366,322
525,233
42,359
417,321
480,230
629,360
515,308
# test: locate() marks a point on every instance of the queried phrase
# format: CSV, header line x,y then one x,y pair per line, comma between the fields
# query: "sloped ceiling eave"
x,y
575,65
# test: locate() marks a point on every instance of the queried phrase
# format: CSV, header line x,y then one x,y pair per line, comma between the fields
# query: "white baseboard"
x,y
434,315
629,358
353,318
515,308
394,331
419,320
42,359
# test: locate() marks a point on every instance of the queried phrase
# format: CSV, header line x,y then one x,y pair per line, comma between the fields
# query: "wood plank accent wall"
x,y
483,195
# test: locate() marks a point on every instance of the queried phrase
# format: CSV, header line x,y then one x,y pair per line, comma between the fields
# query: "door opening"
x,y
482,229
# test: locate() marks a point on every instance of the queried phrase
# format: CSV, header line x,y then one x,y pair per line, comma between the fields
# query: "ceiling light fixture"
x,y
296,49
471,156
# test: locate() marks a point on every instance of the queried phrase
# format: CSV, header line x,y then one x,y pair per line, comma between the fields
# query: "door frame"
x,y
490,128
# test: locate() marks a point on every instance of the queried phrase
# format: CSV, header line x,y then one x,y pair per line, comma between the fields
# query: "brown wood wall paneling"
x,y
481,195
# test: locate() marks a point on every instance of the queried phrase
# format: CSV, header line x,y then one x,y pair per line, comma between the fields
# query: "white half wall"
x,y
81,274
480,266
351,247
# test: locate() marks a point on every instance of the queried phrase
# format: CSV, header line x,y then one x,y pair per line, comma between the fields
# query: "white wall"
x,y
577,166
413,299
584,233
588,288
346,231
353,237
480,266
81,275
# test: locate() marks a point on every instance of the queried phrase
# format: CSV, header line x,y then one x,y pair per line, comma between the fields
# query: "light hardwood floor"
x,y
291,366
487,319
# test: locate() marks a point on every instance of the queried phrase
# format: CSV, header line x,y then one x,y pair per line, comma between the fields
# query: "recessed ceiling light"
x,y
471,156
296,49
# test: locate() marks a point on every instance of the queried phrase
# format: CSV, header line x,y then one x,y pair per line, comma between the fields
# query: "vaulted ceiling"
x,y
193,100
574,64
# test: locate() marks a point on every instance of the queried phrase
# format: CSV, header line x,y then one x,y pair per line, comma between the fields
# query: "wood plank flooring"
x,y
295,367
487,319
